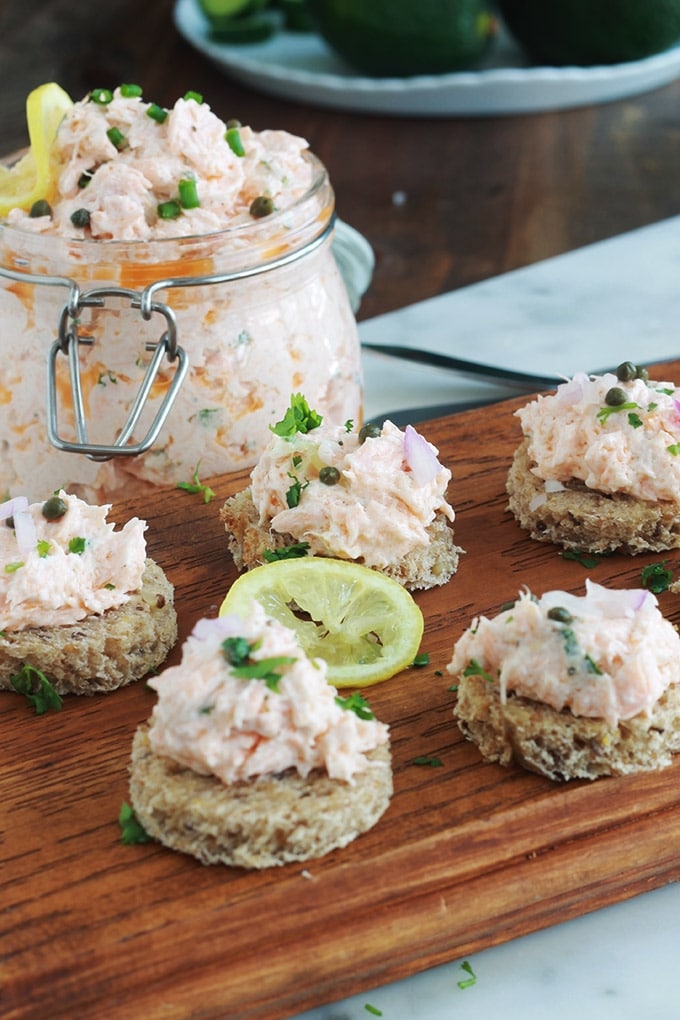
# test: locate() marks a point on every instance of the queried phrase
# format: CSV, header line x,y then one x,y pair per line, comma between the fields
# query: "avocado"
x,y
406,37
590,32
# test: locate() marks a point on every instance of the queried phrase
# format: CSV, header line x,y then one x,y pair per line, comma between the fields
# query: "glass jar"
x,y
168,358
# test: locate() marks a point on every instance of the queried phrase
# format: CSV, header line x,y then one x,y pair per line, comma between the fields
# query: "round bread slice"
x,y
269,821
581,518
560,745
424,567
100,652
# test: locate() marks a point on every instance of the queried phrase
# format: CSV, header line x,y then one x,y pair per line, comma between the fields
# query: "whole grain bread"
x,y
560,745
269,821
100,652
582,518
424,567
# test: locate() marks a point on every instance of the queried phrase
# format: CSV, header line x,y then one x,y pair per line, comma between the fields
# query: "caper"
x,y
54,508
9,521
80,218
233,122
369,431
329,475
40,208
615,397
626,371
642,373
262,206
560,614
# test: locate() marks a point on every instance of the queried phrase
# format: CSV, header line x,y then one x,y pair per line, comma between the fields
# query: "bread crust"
x,y
101,652
591,521
560,745
269,821
424,567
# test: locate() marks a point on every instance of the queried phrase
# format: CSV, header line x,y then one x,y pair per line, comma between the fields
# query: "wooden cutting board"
x,y
467,856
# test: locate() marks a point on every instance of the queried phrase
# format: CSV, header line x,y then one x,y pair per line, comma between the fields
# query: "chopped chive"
x,y
234,142
169,210
101,96
130,91
188,194
117,138
156,113
196,96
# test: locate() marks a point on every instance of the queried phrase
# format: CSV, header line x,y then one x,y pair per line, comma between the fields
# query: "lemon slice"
x,y
365,625
32,178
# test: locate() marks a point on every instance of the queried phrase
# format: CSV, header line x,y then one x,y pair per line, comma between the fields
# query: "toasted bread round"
x,y
560,745
581,518
424,567
269,821
100,652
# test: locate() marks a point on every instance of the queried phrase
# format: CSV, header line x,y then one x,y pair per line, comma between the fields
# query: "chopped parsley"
x,y
421,659
579,556
77,545
356,703
295,491
237,652
195,487
604,413
431,761
286,552
635,420
43,548
469,981
656,577
298,418
11,568
674,449
373,1010
473,668
35,686
132,830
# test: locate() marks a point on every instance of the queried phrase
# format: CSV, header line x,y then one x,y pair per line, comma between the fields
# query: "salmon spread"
x,y
245,701
61,561
609,654
614,436
347,494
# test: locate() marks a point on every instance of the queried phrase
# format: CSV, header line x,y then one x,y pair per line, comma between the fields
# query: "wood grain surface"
x,y
468,854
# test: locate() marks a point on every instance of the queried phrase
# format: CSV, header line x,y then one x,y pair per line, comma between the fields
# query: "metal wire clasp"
x,y
68,343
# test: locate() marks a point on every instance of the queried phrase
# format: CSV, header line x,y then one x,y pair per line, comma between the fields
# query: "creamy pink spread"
x,y
55,572
609,654
631,448
236,728
389,489
129,176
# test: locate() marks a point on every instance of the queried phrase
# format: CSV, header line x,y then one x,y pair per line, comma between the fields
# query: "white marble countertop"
x,y
592,308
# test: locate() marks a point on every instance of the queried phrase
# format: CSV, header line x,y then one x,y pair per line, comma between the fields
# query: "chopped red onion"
x,y
420,457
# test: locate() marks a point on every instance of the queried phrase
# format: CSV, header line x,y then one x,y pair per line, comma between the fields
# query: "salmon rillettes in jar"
x,y
175,290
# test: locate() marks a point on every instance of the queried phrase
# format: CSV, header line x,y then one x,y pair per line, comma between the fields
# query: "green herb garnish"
x,y
674,449
473,668
117,138
233,139
421,659
11,568
130,91
286,552
197,488
356,703
196,96
295,491
467,982
634,420
656,577
102,97
132,830
43,548
373,1010
584,558
77,545
169,210
237,651
188,194
604,413
431,761
35,686
298,418
156,113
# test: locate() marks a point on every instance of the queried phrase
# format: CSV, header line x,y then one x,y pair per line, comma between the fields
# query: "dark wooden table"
x,y
483,195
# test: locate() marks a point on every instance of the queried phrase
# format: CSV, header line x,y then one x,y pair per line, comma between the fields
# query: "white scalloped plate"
x,y
299,66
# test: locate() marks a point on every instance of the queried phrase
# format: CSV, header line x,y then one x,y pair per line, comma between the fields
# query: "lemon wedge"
x,y
31,177
365,625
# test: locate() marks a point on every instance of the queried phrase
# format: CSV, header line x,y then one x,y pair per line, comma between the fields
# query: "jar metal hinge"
x,y
68,344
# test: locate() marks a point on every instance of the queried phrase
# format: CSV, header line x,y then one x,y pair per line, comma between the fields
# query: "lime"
x,y
365,625
406,37
590,32
32,177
